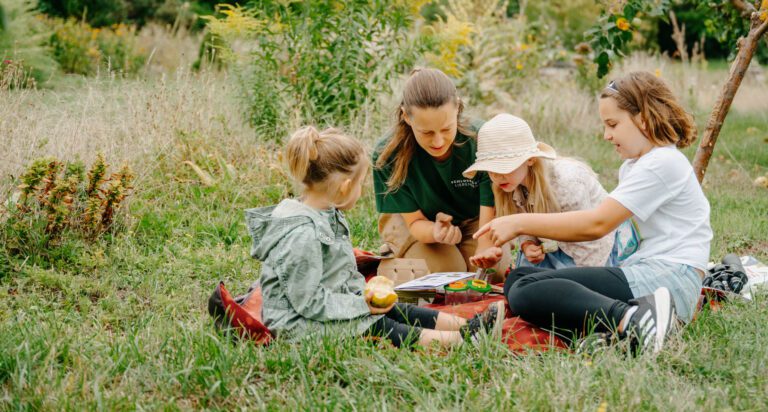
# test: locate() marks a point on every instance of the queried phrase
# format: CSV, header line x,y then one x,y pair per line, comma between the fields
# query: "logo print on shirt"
x,y
459,183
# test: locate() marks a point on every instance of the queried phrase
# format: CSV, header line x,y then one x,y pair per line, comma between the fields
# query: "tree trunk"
x,y
747,48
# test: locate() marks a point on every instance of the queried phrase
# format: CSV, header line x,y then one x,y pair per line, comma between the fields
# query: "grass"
x,y
122,324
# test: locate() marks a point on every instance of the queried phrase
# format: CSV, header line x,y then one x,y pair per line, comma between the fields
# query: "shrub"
x,y
320,60
57,205
490,53
24,55
82,49
100,13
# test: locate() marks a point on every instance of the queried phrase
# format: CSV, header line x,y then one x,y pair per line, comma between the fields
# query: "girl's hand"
x,y
444,232
376,310
487,258
500,230
533,253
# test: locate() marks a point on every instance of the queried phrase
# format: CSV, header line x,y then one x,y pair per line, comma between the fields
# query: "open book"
x,y
434,280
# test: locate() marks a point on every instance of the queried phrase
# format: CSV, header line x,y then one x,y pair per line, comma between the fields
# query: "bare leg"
x,y
448,322
444,338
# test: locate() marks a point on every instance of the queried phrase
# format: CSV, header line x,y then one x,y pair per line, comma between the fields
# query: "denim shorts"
x,y
683,282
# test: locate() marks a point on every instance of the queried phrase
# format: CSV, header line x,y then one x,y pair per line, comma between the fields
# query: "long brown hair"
x,y
539,191
647,95
426,88
314,156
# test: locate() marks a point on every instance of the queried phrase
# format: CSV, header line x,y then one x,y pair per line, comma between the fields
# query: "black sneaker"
x,y
652,321
489,321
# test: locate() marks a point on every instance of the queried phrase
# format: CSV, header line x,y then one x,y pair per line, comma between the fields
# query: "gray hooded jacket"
x,y
309,278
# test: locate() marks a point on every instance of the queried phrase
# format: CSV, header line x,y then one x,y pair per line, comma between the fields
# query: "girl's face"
x,y
510,181
621,130
434,128
352,188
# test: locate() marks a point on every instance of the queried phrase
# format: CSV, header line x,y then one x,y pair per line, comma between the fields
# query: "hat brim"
x,y
508,165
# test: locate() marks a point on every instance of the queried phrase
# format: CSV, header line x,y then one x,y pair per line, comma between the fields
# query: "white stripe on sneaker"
x,y
662,299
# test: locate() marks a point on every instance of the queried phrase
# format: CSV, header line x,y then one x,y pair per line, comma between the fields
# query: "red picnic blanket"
x,y
244,315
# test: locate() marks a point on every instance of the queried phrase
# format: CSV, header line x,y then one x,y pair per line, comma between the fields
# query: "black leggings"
x,y
577,300
403,324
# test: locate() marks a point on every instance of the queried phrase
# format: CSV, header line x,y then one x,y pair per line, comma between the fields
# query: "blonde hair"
x,y
426,88
647,95
314,156
539,191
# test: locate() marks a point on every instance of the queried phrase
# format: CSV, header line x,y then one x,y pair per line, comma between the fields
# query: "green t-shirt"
x,y
432,186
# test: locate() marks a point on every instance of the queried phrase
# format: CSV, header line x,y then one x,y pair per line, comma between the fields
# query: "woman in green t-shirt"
x,y
428,209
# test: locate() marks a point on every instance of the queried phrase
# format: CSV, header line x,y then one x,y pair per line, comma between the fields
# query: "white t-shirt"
x,y
671,211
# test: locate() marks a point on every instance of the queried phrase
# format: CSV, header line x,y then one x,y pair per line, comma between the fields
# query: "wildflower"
x,y
7,62
583,48
657,72
764,16
519,66
622,24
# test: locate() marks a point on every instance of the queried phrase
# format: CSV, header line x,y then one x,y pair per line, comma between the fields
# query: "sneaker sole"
x,y
664,316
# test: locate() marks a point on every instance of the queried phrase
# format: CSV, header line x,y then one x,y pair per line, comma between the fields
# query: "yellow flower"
x,y
603,407
622,24
764,16
519,66
451,34
657,72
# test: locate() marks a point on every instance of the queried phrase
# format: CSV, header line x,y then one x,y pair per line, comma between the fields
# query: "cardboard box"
x,y
402,270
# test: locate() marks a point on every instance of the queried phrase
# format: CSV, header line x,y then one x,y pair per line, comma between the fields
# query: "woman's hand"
x,y
444,232
500,230
487,258
377,310
533,253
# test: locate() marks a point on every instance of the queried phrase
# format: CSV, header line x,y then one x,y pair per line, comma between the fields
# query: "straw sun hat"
x,y
504,143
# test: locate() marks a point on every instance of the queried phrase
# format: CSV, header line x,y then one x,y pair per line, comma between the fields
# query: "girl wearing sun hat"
x,y
528,177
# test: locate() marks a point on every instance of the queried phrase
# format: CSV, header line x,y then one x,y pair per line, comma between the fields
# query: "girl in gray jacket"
x,y
309,278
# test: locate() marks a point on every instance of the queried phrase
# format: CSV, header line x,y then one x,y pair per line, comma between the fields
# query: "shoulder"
x,y
474,124
573,173
667,163
565,167
301,221
380,144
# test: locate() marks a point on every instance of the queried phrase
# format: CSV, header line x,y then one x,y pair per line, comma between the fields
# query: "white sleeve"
x,y
642,191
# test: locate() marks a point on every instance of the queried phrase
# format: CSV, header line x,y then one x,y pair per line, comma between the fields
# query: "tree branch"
x,y
744,7
747,48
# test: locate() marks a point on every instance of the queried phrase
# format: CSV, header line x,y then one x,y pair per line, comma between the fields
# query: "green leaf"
x,y
630,11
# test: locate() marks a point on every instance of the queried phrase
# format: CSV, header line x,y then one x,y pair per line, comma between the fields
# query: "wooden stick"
x,y
747,48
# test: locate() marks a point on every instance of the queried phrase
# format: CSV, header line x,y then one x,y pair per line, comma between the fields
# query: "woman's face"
x,y
508,182
622,131
434,128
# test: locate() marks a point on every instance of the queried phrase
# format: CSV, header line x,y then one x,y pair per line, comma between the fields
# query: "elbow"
x,y
597,229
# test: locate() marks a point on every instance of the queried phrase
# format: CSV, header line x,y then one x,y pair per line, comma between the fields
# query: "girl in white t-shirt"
x,y
658,188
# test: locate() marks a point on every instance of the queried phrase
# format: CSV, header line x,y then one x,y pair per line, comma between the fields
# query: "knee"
x,y
516,299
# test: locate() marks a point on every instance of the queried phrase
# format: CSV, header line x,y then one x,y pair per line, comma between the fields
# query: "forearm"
x,y
487,214
423,230
575,226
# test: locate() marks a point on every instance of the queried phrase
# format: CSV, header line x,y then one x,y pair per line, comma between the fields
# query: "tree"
x,y
611,35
